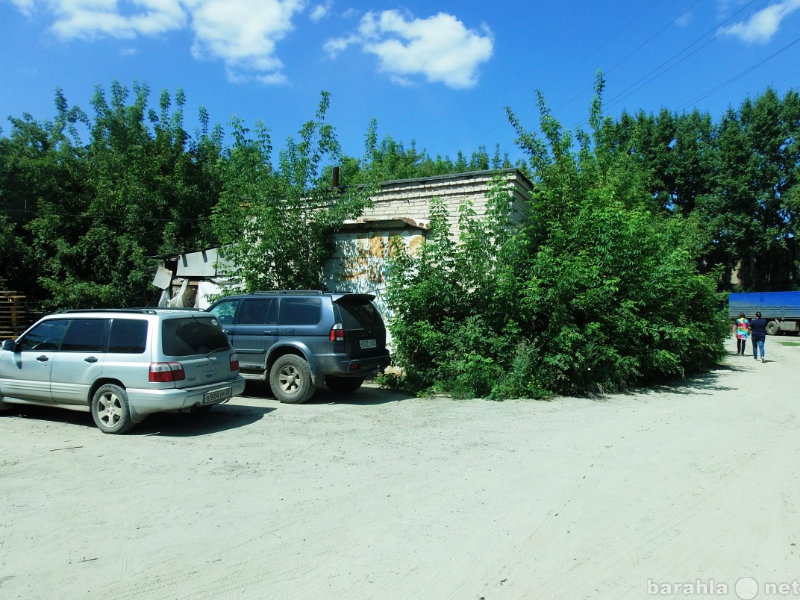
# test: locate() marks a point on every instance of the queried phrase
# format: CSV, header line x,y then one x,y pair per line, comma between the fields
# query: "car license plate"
x,y
367,344
217,395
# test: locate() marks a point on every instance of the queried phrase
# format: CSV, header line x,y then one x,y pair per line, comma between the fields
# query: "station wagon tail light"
x,y
163,372
337,333
234,361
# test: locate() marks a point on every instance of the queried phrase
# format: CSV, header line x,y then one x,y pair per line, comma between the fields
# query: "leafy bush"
x,y
596,292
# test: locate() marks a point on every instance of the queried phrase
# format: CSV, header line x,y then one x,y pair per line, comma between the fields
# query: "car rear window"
x,y
192,335
128,336
359,315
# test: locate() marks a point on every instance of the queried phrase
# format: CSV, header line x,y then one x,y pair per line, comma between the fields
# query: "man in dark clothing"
x,y
758,335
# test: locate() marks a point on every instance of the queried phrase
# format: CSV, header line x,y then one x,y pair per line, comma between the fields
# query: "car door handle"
x,y
43,358
91,359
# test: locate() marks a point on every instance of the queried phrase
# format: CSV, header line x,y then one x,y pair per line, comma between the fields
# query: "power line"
x,y
681,56
633,52
602,44
738,76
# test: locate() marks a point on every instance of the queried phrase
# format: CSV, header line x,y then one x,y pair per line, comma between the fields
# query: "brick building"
x,y
401,209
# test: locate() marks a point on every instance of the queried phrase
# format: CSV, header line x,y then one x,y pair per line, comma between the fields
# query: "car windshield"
x,y
188,336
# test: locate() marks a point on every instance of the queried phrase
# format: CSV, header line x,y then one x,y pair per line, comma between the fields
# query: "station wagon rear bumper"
x,y
145,401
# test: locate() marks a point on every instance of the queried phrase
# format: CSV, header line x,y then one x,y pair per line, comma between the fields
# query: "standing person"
x,y
742,333
758,333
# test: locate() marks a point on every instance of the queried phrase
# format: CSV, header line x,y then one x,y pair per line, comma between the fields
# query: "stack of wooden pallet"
x,y
13,314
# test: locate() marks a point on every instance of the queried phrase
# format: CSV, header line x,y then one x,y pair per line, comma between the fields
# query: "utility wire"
x,y
681,56
666,26
603,44
738,76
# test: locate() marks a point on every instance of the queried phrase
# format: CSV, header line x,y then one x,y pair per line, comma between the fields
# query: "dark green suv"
x,y
298,340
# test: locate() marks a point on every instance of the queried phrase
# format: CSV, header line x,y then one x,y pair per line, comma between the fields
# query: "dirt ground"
x,y
675,492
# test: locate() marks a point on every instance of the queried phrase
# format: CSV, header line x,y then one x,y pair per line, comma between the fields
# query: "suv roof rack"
x,y
292,292
147,311
143,310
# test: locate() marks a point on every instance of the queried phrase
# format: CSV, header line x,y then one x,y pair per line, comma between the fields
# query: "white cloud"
x,y
764,24
244,34
320,11
684,19
24,6
95,18
440,48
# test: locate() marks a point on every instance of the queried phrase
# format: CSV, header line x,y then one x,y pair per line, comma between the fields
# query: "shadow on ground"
x,y
368,394
219,418
701,383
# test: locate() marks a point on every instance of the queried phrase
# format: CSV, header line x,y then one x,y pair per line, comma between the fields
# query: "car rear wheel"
x,y
110,409
290,379
773,328
343,385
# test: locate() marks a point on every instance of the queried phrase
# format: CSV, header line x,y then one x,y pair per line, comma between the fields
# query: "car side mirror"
x,y
10,345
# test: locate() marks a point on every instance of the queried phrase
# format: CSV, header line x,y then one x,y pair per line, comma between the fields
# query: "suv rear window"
x,y
361,315
192,335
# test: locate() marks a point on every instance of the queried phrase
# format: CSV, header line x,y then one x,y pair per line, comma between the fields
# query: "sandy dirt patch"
x,y
665,493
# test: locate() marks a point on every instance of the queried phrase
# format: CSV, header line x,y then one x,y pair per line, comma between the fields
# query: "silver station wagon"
x,y
121,364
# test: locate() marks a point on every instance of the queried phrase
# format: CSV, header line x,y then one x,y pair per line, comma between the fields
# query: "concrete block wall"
x,y
411,198
402,209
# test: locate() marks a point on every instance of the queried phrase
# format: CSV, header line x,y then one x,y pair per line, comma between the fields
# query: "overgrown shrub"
x,y
595,292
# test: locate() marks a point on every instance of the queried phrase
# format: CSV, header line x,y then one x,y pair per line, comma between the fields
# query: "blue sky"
x,y
439,73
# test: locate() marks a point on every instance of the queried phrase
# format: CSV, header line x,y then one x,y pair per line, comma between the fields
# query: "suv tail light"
x,y
166,371
337,333
234,361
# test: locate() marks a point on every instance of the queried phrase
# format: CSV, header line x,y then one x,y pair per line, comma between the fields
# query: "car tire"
x,y
773,328
343,385
290,379
110,409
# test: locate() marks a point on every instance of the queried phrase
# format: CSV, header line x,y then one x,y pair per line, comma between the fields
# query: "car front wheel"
x,y
110,409
290,379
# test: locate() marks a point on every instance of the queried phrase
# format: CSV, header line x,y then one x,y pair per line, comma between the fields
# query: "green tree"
x,y
389,159
611,287
732,179
749,213
41,165
597,291
275,221
135,191
451,330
